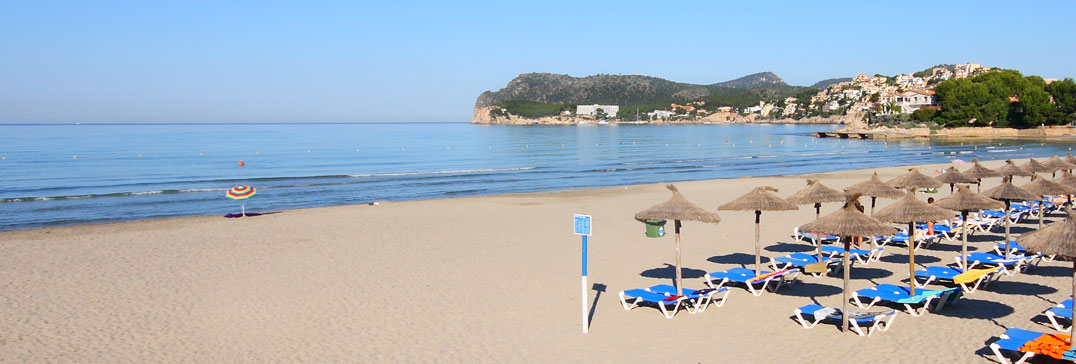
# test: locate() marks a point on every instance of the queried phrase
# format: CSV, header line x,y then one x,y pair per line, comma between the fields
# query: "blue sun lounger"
x,y
863,256
1063,312
810,315
757,285
1016,249
669,304
814,238
1014,339
1010,266
699,299
948,274
939,230
893,294
802,260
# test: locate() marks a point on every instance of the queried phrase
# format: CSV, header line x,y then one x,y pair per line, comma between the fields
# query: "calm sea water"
x,y
75,174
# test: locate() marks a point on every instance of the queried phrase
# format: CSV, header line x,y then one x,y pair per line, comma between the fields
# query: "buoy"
x,y
74,157
139,156
201,154
666,144
491,147
308,150
403,149
356,149
528,146
5,158
241,163
448,148
257,153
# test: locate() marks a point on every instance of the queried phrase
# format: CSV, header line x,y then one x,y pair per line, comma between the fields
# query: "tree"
x,y
1064,94
600,114
924,115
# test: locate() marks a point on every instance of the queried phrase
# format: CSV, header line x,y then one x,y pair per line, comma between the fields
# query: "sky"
x,y
405,61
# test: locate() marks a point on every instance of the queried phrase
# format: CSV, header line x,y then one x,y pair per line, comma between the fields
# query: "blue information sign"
x,y
582,225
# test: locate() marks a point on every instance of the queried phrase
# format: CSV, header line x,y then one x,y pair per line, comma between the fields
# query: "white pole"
x,y
586,326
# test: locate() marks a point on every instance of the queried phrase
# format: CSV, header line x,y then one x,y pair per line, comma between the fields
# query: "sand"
x,y
488,279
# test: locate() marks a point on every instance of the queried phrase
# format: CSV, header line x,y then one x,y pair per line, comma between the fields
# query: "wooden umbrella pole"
x,y
963,240
817,210
844,305
679,285
911,257
1008,210
872,204
1042,210
978,185
758,244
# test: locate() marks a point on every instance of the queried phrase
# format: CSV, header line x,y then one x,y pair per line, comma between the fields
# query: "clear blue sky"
x,y
364,61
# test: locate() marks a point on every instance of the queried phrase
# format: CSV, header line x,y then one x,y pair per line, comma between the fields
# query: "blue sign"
x,y
582,225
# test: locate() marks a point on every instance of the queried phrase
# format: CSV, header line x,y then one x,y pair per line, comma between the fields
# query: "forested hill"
x,y
538,94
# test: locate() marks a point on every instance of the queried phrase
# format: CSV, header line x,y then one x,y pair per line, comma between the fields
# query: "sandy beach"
x,y
489,279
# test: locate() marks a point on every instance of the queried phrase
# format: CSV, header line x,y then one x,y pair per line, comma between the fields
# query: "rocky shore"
x,y
482,115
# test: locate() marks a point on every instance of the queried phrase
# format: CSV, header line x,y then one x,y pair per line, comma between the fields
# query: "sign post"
x,y
582,227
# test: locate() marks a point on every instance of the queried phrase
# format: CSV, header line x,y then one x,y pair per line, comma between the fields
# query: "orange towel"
x,y
1052,345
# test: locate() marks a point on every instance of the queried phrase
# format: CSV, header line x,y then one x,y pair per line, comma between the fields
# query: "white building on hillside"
x,y
592,110
910,101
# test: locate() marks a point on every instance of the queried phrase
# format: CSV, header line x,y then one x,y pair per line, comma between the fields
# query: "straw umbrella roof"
x,y
1058,238
914,179
759,199
815,192
952,175
1070,158
677,208
1011,169
1045,187
1035,166
1058,163
978,171
1067,179
848,221
874,187
965,200
1008,191
911,209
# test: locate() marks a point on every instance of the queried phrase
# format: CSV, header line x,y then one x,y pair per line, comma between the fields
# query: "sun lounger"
x,y
1032,343
757,285
1064,313
1010,266
802,260
970,281
699,299
814,238
920,240
665,300
810,315
1014,217
941,230
863,256
892,294
1015,248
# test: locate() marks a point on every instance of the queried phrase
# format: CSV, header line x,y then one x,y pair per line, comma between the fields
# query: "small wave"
x,y
144,193
462,171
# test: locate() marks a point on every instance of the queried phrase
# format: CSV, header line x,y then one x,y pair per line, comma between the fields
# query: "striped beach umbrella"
x,y
241,192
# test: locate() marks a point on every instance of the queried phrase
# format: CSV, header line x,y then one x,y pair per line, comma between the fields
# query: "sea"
x,y
52,175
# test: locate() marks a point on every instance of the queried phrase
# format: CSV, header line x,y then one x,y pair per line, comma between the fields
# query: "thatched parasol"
x,y
1035,166
964,200
1058,238
1070,158
1044,187
1011,169
1067,179
914,180
848,222
1058,164
979,172
815,193
953,176
1008,192
910,210
759,199
874,188
677,208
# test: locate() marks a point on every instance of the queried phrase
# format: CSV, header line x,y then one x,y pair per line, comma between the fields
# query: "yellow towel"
x,y
972,275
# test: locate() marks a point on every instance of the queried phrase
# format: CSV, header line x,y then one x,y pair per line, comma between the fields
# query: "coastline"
x,y
469,279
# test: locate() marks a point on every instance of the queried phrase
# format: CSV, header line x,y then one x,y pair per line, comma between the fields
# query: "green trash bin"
x,y
655,228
